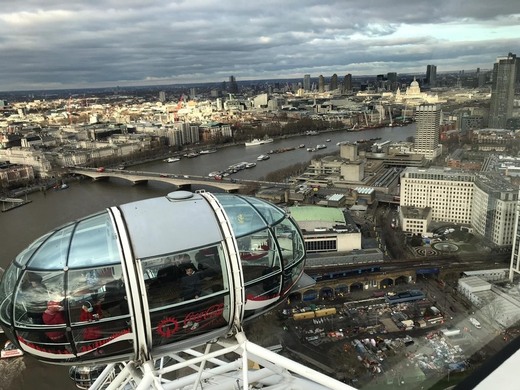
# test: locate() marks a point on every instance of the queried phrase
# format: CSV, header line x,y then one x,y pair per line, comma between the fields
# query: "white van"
x,y
475,322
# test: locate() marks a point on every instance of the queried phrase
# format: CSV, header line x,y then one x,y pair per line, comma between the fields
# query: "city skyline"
x,y
60,45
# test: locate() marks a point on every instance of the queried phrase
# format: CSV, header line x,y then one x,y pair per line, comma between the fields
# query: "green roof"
x,y
317,213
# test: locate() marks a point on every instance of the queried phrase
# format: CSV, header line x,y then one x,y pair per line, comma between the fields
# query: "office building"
x,y
162,96
347,83
502,90
334,82
493,208
233,86
321,84
486,202
431,75
428,117
447,192
391,78
307,82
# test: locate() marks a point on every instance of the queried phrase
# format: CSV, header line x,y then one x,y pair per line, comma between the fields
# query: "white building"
x,y
447,192
413,96
485,201
493,209
325,229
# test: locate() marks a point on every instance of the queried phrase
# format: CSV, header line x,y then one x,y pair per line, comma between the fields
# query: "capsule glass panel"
x,y
26,254
270,245
94,243
188,293
69,299
52,254
243,216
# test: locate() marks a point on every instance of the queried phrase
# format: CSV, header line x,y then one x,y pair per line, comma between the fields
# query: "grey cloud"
x,y
79,43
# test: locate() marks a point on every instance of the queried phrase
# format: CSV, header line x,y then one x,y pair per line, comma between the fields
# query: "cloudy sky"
x,y
60,44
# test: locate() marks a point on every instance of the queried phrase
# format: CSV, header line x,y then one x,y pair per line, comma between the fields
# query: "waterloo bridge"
x,y
183,182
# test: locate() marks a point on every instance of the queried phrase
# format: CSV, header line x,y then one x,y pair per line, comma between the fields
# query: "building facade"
x,y
485,201
307,82
446,192
326,229
502,90
321,84
428,117
334,82
347,83
493,208
431,75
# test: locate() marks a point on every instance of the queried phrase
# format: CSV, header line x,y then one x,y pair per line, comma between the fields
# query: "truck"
x,y
475,322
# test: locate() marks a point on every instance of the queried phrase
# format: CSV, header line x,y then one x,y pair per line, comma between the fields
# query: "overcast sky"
x,y
60,44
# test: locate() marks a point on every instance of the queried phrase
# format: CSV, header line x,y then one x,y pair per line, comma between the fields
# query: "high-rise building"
x,y
502,90
347,83
162,96
321,84
428,118
392,80
233,86
431,75
307,82
334,82
380,82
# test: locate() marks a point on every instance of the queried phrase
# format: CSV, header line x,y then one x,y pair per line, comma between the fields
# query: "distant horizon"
x,y
191,84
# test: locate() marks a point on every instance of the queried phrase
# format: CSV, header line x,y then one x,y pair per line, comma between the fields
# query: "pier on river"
x,y
12,203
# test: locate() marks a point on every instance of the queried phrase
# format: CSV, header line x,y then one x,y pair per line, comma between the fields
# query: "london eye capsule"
x,y
143,279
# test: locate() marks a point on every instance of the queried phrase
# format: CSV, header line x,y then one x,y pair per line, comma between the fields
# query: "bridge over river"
x,y
181,181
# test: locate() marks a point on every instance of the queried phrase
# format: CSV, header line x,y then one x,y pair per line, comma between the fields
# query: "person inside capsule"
x,y
190,283
54,315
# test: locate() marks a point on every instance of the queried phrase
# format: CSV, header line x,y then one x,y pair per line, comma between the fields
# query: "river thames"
x,y
20,226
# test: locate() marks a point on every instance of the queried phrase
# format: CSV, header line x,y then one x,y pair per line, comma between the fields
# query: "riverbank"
x,y
240,154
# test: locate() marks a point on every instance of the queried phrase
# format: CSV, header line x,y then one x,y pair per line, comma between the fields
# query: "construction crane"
x,y
177,108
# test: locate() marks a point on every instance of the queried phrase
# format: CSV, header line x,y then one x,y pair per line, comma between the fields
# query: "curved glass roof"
x,y
89,242
158,225
248,215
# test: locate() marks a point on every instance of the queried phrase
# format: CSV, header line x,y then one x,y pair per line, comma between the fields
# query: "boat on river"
x,y
208,151
258,141
10,350
263,157
62,186
173,159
